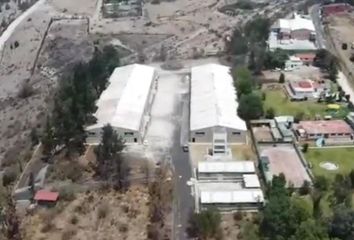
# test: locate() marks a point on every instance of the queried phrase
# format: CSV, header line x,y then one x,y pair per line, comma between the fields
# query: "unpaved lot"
x,y
93,215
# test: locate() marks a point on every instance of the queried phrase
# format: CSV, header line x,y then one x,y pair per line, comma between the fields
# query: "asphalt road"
x,y
316,18
184,202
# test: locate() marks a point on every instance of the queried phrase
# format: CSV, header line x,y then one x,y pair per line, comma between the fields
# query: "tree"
x,y
342,223
31,184
257,30
34,137
205,224
238,43
333,72
275,59
250,107
342,190
242,81
305,188
276,213
11,222
47,138
321,183
305,147
311,230
109,160
281,78
270,113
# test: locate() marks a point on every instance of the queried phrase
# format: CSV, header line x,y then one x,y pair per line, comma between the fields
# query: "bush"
x,y
305,188
305,147
26,90
74,220
270,113
298,117
238,216
102,211
67,193
282,78
123,228
9,176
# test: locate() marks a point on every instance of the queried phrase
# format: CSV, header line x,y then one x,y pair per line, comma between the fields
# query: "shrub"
x,y
305,188
26,90
238,216
74,220
270,113
305,147
281,78
102,211
9,176
67,193
123,228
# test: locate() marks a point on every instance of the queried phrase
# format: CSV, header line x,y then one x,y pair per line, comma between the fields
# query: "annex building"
x,y
213,107
126,103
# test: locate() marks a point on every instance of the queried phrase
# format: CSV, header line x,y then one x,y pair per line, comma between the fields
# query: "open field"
x,y
93,215
283,106
283,158
343,157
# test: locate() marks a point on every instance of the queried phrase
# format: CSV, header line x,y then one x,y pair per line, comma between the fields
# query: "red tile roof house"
x,y
331,130
46,198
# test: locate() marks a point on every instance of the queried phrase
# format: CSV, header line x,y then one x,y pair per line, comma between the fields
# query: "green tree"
x,y
275,59
311,230
270,113
276,216
333,72
341,225
238,44
305,147
257,30
305,188
205,225
321,183
109,160
282,78
243,81
47,138
250,107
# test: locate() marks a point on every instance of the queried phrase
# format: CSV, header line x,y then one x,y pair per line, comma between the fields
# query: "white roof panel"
x,y
237,196
122,103
213,98
226,167
251,181
296,23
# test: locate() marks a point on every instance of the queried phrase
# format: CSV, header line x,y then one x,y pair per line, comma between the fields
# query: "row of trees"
x,y
250,103
291,217
75,101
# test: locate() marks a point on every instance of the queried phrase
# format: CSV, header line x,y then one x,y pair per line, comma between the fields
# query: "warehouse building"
x,y
214,106
126,103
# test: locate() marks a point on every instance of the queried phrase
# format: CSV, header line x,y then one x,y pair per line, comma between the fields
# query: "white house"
x,y
213,107
126,103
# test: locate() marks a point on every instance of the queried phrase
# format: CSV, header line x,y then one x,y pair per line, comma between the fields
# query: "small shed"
x,y
46,198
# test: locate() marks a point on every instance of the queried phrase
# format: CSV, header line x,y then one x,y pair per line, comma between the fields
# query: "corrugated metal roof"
x,y
122,103
237,196
251,181
226,167
213,98
296,23
43,195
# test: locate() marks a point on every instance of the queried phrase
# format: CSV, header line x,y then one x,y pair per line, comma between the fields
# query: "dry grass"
x,y
92,215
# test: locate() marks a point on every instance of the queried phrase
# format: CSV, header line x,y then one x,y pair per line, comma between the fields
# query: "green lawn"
x,y
283,106
343,157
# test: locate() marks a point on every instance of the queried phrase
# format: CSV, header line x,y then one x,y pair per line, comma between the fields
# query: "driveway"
x,y
316,18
